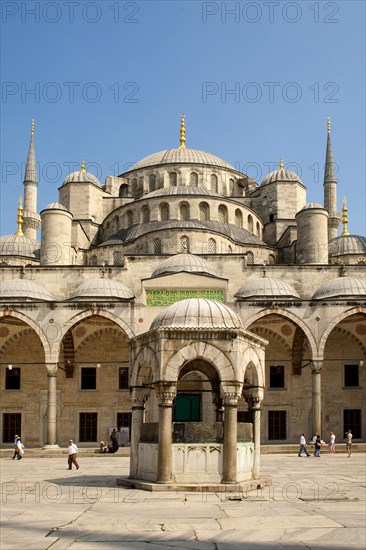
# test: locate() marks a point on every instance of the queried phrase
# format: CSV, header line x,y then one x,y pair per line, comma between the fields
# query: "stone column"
x,y
51,407
316,396
254,403
229,459
166,392
138,396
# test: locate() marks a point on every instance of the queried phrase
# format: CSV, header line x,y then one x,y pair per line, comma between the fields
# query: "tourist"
x,y
103,447
303,446
317,442
349,437
73,454
332,443
18,448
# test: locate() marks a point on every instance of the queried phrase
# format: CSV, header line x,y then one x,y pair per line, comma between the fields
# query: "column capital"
x,y
140,395
317,367
166,392
51,369
231,390
230,399
254,402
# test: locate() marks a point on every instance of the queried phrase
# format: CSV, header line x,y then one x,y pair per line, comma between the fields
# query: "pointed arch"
x,y
144,367
36,328
328,329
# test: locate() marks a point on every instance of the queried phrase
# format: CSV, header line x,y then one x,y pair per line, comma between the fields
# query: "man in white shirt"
x,y
303,446
73,453
349,442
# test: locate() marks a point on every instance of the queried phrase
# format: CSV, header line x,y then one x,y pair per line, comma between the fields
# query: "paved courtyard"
x,y
313,503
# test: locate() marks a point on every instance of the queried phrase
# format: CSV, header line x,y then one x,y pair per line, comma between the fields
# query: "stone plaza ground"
x,y
312,504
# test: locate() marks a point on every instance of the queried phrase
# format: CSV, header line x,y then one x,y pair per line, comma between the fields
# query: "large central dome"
x,y
181,156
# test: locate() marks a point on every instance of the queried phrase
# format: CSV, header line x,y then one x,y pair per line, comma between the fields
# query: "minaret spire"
x,y
281,164
344,218
20,218
330,188
31,220
182,133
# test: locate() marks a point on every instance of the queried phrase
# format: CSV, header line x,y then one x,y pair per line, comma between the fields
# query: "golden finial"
x,y
182,133
328,124
82,169
281,164
32,129
20,217
344,218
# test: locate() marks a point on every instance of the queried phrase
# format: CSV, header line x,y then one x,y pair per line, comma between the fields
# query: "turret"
x,y
31,220
56,246
312,235
330,190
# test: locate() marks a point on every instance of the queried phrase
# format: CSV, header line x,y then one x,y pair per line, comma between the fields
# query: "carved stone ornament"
x,y
316,367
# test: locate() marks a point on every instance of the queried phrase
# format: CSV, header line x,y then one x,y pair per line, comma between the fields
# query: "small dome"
x,y
19,245
81,176
181,156
281,175
184,262
266,287
102,288
197,313
55,206
341,287
181,190
311,205
16,289
348,244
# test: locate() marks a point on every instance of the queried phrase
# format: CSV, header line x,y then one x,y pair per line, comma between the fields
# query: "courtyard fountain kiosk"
x,y
187,374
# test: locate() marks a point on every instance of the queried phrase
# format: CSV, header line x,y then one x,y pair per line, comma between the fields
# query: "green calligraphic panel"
x,y
162,298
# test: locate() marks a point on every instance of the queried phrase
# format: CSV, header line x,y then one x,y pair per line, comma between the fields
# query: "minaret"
x,y
330,190
31,220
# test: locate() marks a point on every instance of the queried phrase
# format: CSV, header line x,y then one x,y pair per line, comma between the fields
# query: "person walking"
x,y
73,453
317,442
349,437
303,446
18,448
332,443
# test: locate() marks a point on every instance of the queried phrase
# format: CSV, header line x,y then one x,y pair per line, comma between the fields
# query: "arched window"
x,y
193,179
164,212
134,188
250,258
184,244
173,179
222,214
117,258
152,183
231,186
145,214
184,212
238,218
214,183
93,260
107,228
229,249
204,212
271,259
157,246
123,190
129,218
211,246
258,229
250,223
116,223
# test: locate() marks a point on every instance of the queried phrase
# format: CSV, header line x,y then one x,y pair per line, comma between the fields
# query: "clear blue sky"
x,y
112,78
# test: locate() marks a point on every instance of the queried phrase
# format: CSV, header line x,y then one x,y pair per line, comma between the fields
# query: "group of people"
x,y
18,448
113,448
318,442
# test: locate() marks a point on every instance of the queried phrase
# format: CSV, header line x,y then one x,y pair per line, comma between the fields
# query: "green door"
x,y
187,408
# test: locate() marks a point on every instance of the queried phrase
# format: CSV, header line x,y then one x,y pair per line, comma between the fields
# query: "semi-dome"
x,y
19,245
102,288
181,190
197,313
55,206
81,176
348,244
341,287
24,289
181,156
267,287
184,262
281,175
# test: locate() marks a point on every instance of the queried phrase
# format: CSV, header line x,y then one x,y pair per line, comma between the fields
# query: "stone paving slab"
x,y
312,504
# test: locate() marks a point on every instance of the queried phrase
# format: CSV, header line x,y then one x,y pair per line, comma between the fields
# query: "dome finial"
x,y
344,218
281,164
82,169
20,218
328,124
182,133
32,128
